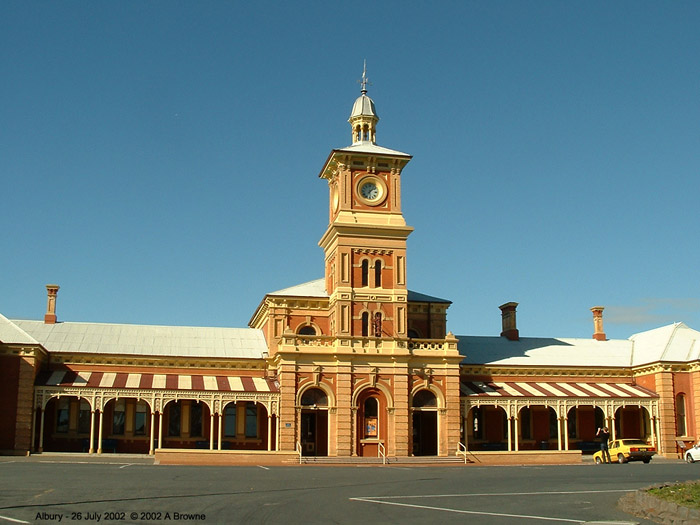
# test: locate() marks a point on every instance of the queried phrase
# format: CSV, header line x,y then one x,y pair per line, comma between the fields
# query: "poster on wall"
x,y
371,427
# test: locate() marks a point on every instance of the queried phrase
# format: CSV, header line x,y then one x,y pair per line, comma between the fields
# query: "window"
x,y
251,420
525,423
571,423
307,330
680,415
314,397
477,422
424,399
371,411
62,414
413,334
195,419
174,411
378,274
365,324
118,418
553,421
84,417
140,419
365,272
377,324
230,420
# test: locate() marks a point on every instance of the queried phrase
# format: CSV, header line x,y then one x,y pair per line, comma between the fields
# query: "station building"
x,y
352,364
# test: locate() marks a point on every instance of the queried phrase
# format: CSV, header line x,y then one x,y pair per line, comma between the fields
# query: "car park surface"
x,y
144,493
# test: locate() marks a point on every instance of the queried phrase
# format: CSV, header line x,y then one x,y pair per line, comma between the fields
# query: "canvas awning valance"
x,y
205,383
553,389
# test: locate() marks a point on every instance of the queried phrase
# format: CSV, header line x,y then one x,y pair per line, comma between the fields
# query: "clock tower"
x,y
365,243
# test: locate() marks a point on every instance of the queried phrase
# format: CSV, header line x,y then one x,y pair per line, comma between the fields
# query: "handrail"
x,y
298,448
381,452
462,450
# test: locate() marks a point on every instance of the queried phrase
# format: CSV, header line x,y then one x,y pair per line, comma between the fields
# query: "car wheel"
x,y
598,461
621,458
689,458
646,460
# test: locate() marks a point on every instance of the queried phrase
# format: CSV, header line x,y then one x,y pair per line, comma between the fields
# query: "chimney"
x,y
598,333
510,328
50,317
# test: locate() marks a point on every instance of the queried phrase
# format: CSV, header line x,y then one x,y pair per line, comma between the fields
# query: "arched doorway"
x,y
487,428
314,422
425,424
371,422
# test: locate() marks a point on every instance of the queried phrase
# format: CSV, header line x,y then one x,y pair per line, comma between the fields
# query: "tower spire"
x,y
363,117
364,80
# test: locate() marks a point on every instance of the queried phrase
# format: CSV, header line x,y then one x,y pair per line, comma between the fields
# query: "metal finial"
x,y
364,80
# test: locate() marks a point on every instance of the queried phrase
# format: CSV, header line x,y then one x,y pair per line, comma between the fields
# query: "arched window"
x,y
681,428
314,397
365,324
378,274
365,272
307,330
413,334
424,399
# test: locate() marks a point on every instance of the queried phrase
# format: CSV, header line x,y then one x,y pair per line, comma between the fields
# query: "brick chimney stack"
x,y
510,328
52,291
598,333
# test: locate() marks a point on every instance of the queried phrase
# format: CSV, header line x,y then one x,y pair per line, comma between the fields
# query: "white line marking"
x,y
12,520
127,465
266,468
466,511
499,494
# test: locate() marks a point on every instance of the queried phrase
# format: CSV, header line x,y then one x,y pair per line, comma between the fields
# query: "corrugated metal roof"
x,y
147,340
316,288
12,334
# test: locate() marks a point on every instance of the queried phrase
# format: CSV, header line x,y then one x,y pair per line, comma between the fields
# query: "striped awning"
x,y
545,389
69,378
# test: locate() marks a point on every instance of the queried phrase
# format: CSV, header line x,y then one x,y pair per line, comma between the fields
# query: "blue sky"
x,y
159,160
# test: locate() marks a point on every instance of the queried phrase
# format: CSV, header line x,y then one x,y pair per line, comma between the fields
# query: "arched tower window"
x,y
307,330
365,272
378,274
365,324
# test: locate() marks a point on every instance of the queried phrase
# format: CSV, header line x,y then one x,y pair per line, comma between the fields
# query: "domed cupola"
x,y
363,117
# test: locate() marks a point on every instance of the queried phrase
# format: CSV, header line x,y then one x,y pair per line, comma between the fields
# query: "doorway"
x,y
314,432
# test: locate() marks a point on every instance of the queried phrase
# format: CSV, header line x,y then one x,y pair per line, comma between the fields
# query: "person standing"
x,y
604,436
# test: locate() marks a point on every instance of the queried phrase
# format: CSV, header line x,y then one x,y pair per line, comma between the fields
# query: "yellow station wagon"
x,y
624,450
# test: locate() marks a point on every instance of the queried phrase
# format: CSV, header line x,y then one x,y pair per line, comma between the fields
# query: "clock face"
x,y
369,191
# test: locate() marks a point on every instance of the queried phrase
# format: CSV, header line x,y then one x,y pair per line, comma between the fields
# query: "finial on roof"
x,y
364,80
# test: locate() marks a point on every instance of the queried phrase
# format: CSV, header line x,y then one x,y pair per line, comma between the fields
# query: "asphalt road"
x,y
67,491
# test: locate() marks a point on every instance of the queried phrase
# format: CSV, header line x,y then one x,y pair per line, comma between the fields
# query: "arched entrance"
x,y
371,422
314,422
425,424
